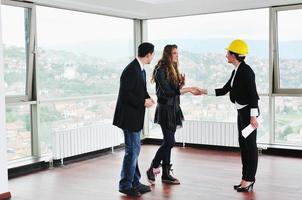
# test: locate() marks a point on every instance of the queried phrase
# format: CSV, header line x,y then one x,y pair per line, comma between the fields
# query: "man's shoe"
x,y
141,188
130,192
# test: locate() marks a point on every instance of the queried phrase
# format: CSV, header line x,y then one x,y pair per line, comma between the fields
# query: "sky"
x,y
251,24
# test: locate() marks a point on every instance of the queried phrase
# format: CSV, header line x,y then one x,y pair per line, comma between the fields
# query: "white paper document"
x,y
247,131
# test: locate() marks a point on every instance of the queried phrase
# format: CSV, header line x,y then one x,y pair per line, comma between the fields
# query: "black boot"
x,y
151,173
167,177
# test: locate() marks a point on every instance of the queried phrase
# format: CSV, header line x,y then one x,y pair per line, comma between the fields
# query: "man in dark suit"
x,y
243,93
129,115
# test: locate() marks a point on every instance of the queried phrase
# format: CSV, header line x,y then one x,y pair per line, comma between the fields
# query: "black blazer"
x,y
166,91
130,110
168,112
244,89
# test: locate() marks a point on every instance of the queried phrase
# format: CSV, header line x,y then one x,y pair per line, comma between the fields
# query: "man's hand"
x,y
254,122
149,102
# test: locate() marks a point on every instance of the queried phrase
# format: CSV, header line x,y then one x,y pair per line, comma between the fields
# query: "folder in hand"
x,y
247,131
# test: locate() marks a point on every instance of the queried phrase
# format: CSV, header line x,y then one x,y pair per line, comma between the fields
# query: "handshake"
x,y
194,90
197,91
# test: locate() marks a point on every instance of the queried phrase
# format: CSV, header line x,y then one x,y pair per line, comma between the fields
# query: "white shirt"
x,y
140,64
254,111
236,68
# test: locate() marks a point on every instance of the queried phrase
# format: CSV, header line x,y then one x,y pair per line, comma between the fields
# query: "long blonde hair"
x,y
166,62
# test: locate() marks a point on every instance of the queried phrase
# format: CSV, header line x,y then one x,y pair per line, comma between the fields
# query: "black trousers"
x,y
248,146
163,154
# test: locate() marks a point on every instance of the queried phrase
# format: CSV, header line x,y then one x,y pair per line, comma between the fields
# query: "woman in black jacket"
x,y
242,90
168,114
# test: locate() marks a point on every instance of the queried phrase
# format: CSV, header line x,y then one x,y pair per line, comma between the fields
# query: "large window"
x,y
18,78
80,53
287,79
201,42
290,48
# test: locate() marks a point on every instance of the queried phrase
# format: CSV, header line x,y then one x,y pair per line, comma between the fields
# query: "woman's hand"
x,y
149,102
254,122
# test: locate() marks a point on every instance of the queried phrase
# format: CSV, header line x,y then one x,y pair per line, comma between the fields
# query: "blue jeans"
x,y
130,174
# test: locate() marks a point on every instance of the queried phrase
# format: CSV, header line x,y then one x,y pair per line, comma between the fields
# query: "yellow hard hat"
x,y
238,46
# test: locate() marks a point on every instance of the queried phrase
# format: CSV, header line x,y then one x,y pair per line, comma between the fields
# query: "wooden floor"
x,y
204,174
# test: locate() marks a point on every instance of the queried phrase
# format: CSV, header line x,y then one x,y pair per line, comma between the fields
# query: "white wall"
x,y
3,156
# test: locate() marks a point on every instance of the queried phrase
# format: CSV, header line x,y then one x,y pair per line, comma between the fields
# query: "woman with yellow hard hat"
x,y
243,93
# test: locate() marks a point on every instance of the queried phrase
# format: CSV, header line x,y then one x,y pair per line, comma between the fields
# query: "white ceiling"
x,y
150,9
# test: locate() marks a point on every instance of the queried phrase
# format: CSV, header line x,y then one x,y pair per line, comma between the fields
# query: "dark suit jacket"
x,y
130,110
166,91
168,112
244,89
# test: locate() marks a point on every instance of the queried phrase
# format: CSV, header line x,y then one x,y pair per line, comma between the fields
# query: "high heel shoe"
x,y
237,186
247,188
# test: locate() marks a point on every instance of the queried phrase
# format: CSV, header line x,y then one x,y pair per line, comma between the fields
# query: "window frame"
x,y
29,21
277,89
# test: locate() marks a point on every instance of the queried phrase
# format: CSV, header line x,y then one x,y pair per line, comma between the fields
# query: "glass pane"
x,y
201,43
81,53
18,128
74,114
14,51
290,48
288,120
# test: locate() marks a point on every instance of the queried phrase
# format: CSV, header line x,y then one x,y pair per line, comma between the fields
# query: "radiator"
x,y
77,141
208,133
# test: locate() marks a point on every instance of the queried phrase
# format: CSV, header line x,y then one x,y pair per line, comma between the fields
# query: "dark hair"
x,y
145,48
166,63
237,56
